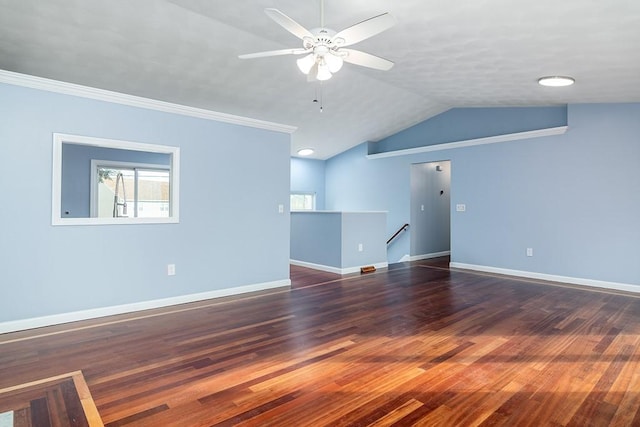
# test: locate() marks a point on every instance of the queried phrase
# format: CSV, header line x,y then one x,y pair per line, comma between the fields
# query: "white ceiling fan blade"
x,y
297,51
288,24
366,59
365,29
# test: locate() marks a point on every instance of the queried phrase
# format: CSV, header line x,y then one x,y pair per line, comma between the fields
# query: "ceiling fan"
x,y
324,49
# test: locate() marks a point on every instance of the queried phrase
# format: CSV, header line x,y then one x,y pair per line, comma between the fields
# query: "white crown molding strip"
x,y
336,270
56,319
65,88
550,277
538,133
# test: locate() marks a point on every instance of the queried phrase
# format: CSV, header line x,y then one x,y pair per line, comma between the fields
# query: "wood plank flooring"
x,y
417,344
63,400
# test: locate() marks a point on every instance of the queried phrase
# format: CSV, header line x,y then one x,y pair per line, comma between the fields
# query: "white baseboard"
x,y
424,256
550,277
335,270
56,319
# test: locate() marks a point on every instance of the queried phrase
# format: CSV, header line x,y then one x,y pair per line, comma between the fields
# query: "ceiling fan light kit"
x,y
323,71
324,49
306,63
333,61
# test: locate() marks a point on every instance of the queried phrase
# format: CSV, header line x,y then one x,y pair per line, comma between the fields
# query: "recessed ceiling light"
x,y
556,81
305,151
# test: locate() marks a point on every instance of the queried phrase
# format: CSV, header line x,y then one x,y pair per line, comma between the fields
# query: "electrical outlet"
x,y
360,247
171,269
529,251
461,207
280,208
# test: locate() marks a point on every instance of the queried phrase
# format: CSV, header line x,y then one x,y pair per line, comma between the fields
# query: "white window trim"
x,y
59,139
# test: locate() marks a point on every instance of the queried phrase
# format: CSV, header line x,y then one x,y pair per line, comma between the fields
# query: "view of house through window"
x,y
134,192
303,201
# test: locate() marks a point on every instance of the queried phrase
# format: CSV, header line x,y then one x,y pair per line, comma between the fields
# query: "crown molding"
x,y
33,82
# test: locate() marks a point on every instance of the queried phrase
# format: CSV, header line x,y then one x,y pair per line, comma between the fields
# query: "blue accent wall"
x,y
461,124
571,197
232,179
308,176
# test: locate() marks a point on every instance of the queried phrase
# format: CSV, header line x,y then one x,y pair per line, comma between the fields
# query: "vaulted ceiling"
x,y
447,54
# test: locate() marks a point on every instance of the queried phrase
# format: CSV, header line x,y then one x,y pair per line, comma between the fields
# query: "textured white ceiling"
x,y
447,54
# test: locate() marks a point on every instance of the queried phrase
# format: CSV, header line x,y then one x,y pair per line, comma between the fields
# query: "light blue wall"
x,y
308,176
316,237
572,197
76,173
460,124
332,238
366,229
357,184
232,179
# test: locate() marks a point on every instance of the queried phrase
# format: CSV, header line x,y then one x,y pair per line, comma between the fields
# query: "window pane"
x,y
302,202
115,192
132,192
153,194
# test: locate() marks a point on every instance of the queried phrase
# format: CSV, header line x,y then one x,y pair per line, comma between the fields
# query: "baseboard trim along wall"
x,y
335,270
408,257
56,319
550,277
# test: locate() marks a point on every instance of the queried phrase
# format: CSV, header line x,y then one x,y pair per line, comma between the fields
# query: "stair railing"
x,y
400,230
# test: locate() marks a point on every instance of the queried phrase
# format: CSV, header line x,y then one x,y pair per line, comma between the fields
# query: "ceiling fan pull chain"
x,y
318,98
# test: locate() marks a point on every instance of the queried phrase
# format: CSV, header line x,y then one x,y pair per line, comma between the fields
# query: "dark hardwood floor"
x,y
63,400
416,344
302,277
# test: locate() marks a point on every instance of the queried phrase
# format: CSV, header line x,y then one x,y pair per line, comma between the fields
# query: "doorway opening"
x,y
430,210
